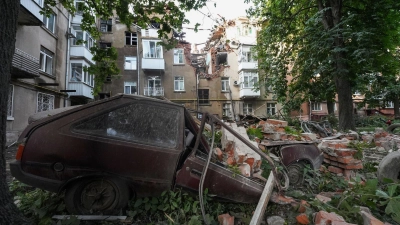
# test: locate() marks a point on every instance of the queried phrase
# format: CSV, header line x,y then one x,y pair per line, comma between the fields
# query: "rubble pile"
x,y
236,153
274,130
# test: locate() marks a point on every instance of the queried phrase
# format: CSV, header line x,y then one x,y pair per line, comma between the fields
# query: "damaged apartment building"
x,y
228,74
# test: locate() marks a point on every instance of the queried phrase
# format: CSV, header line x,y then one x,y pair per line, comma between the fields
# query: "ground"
x,y
10,156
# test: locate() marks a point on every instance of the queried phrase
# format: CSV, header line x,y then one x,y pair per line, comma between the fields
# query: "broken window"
x,y
203,95
130,38
226,110
105,45
143,123
222,58
106,25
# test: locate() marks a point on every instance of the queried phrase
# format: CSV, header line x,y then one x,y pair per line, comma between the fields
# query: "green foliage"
x,y
36,204
217,137
370,121
360,146
254,133
235,170
317,181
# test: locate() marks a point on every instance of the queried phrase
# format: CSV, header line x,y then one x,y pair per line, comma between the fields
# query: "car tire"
x,y
100,195
296,173
391,128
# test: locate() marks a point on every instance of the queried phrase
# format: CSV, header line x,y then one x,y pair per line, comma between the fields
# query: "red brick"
x,y
355,166
250,161
303,206
341,223
302,219
219,154
231,160
323,218
327,161
279,129
345,152
348,160
281,199
338,145
370,219
277,122
245,169
348,174
230,148
334,169
226,219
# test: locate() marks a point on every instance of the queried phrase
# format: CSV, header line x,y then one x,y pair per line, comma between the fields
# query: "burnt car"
x,y
106,152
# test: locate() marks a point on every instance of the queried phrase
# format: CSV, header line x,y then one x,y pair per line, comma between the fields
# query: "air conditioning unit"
x,y
236,82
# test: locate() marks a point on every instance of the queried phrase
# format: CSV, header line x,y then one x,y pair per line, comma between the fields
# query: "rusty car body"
x,y
105,152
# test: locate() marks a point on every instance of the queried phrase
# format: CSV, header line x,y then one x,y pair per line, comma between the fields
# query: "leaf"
x,y
381,194
392,189
137,203
393,207
147,206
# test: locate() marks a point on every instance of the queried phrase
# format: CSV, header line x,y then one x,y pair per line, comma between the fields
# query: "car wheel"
x,y
97,196
393,128
296,173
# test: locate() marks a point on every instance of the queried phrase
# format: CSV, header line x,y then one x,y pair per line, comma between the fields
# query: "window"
x,y
45,102
390,104
138,122
130,38
179,84
247,109
78,35
249,79
316,106
78,74
106,25
130,88
10,103
151,49
226,109
89,42
203,95
104,45
178,56
79,7
271,109
49,22
247,57
225,83
46,61
130,63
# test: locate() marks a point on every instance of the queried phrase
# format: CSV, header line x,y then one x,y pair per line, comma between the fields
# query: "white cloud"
x,y
208,16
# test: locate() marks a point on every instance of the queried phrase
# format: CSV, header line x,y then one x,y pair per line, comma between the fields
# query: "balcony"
x,y
247,66
24,65
159,91
248,93
29,13
153,64
82,89
81,52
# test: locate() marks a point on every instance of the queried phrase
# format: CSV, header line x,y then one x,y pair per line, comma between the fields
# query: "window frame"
x,y
46,54
206,96
130,84
226,109
179,83
107,24
316,106
85,77
46,21
158,50
249,76
247,108
134,65
180,55
271,107
225,84
40,103
131,38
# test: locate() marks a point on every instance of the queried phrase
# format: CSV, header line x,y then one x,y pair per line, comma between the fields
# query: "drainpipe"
x,y
138,60
67,56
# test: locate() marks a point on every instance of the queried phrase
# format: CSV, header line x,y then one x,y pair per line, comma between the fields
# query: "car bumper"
x,y
33,180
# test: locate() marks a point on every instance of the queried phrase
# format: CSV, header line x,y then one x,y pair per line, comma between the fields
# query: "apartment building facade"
x,y
38,65
228,86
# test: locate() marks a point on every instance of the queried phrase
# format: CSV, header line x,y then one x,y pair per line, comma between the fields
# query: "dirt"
x,y
10,156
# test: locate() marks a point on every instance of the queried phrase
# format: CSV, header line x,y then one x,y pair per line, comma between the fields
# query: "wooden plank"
x,y
263,202
89,217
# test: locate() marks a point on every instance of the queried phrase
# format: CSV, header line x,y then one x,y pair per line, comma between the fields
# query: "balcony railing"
x,y
82,51
247,66
82,89
24,65
29,13
249,93
159,91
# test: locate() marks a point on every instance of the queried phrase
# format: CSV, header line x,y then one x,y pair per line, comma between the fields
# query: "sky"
x,y
208,15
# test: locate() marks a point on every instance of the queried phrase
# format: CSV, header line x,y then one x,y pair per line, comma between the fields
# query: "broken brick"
x,y
250,161
219,154
323,218
230,160
370,219
323,199
337,145
226,219
245,169
302,219
345,152
303,206
335,169
341,223
230,148
281,199
277,122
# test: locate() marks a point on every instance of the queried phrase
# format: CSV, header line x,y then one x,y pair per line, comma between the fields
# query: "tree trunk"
x,y
396,105
9,213
346,121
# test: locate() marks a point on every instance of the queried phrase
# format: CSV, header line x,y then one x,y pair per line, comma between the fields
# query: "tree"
x,y
337,40
169,14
